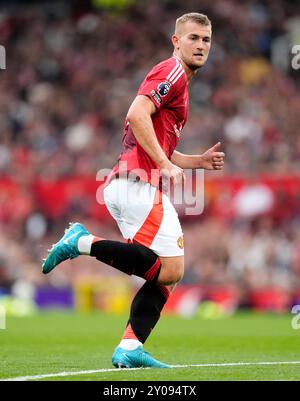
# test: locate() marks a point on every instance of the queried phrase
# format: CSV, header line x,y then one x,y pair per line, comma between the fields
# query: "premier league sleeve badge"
x,y
163,88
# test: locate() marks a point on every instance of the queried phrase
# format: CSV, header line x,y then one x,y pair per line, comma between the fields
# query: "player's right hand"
x,y
172,172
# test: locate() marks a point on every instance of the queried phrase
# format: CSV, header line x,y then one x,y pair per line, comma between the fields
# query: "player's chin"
x,y
194,65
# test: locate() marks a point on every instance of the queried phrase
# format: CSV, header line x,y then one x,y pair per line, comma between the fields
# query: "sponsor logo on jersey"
x,y
163,88
156,96
178,129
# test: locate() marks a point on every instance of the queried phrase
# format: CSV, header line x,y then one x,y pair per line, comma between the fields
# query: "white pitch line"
x,y
203,365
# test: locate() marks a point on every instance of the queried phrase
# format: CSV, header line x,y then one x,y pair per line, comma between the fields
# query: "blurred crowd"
x,y
72,71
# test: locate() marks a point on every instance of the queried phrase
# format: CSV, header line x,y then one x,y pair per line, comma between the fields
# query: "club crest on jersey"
x,y
163,88
178,129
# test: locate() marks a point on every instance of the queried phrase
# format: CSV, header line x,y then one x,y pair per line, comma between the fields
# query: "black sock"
x,y
145,310
128,258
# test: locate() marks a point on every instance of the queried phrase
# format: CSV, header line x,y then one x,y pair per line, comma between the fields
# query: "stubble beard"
x,y
192,66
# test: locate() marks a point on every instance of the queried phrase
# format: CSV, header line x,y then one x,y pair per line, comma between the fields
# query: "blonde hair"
x,y
200,19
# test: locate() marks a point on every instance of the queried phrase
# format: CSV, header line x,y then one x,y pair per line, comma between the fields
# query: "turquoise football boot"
x,y
65,248
137,358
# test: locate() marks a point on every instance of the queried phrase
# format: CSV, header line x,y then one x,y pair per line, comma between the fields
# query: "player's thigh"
x,y
168,242
169,246
129,202
113,200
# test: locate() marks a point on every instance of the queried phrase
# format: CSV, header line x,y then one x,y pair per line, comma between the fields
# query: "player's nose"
x,y
200,47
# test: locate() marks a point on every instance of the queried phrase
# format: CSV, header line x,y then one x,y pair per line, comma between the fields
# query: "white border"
x,y
203,365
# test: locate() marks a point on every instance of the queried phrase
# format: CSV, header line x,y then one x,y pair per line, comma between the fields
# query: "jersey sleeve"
x,y
163,83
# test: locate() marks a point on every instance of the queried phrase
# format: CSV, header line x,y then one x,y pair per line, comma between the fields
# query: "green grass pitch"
x,y
55,342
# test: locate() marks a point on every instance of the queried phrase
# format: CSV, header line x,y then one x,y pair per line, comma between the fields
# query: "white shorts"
x,y
145,215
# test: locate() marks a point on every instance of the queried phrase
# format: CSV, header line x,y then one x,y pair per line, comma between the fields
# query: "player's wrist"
x,y
164,163
198,161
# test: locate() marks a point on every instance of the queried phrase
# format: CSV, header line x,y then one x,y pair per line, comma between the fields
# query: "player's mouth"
x,y
200,55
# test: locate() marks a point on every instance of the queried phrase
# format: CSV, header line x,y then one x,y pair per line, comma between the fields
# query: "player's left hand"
x,y
213,159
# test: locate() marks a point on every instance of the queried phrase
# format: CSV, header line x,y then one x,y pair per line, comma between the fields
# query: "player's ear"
x,y
175,41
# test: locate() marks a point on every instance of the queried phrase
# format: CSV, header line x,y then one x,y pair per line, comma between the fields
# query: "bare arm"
x,y
186,161
212,159
139,118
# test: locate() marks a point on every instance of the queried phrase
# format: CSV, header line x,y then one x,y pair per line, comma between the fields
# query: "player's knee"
x,y
169,278
171,273
177,276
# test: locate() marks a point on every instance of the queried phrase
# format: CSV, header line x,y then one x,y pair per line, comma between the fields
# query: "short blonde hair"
x,y
200,19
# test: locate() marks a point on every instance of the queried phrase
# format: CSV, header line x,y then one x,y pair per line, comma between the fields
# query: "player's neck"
x,y
188,72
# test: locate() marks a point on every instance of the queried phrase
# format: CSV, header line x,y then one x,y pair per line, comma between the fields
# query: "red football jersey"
x,y
166,86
